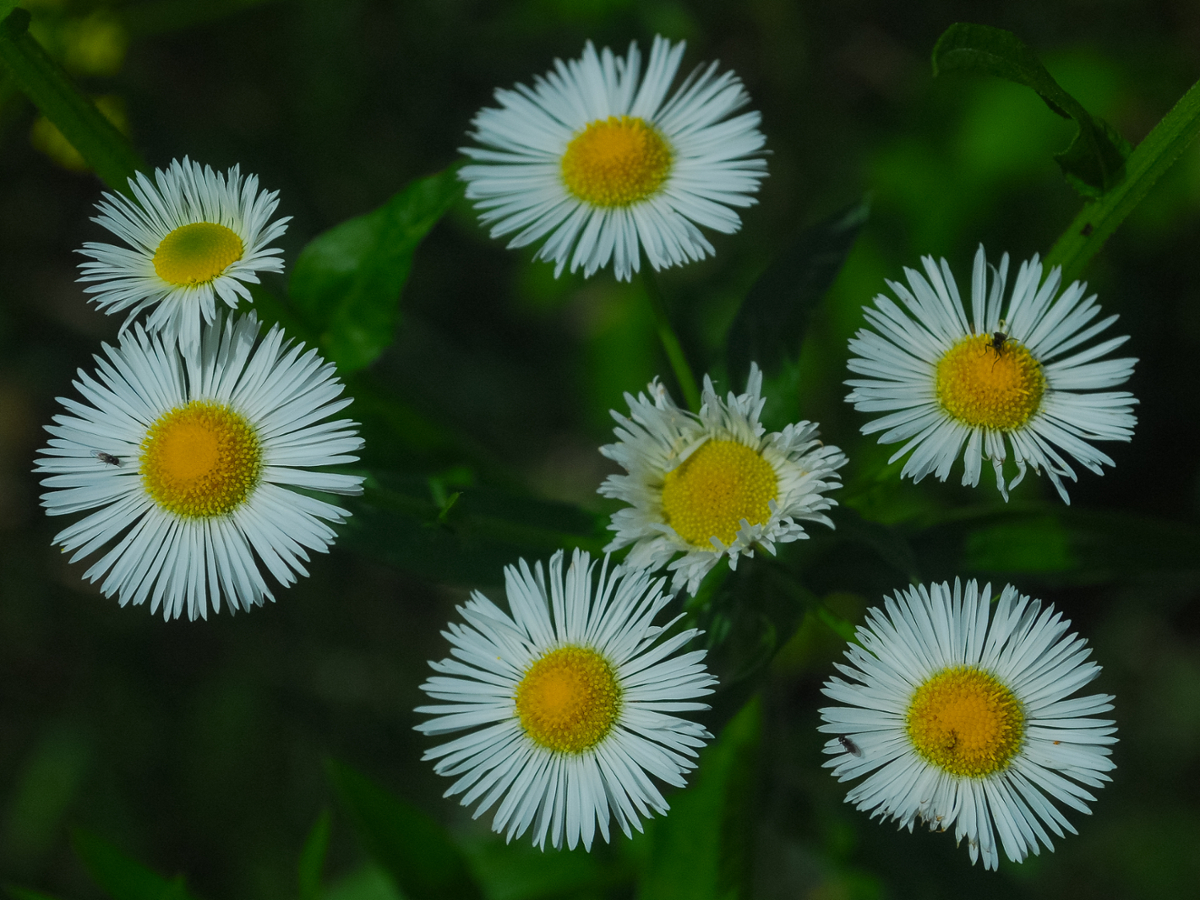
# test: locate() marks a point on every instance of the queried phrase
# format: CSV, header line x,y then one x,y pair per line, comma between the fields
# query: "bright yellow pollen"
x,y
966,722
715,488
986,388
569,699
200,460
616,162
196,253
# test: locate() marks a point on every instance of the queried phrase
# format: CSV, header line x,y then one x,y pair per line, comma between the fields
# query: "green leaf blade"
x,y
701,850
770,325
1094,160
411,846
122,877
347,282
57,97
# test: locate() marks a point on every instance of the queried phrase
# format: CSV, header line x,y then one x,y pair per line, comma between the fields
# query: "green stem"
x,y
670,342
56,96
1153,156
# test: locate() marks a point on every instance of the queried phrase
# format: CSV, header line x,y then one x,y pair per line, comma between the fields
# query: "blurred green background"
x,y
199,748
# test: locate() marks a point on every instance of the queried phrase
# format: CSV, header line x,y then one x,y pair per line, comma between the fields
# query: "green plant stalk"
x,y
670,342
56,96
1153,156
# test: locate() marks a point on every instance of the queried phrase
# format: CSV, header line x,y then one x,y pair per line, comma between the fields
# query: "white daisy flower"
x,y
597,160
571,702
187,462
193,235
713,484
995,382
967,726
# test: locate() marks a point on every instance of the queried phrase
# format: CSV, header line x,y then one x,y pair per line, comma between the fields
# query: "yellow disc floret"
x,y
196,253
715,488
988,386
569,699
200,460
966,722
616,162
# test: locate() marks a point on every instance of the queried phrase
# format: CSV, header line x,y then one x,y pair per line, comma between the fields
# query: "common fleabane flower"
x,y
968,724
570,699
185,462
598,161
1013,380
713,484
194,236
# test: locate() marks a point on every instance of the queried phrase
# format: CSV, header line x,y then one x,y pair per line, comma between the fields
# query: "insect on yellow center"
x,y
569,699
196,253
200,460
616,162
988,387
966,722
715,488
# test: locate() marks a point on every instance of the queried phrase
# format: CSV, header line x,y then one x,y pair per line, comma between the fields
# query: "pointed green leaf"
x,y
414,849
769,327
122,877
347,282
53,92
701,849
1094,160
312,859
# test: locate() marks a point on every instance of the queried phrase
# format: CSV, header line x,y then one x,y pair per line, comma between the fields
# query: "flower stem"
x,y
670,342
1086,235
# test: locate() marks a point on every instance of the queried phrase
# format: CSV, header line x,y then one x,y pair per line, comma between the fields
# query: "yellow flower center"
x,y
986,387
200,460
196,253
966,722
569,699
616,162
715,488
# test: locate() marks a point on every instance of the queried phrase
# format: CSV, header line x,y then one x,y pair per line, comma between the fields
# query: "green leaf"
x,y
398,520
1058,545
414,849
53,92
312,859
1097,221
701,849
347,282
769,327
1093,162
122,877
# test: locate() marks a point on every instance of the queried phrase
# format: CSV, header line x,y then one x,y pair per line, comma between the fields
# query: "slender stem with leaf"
x,y
670,341
59,99
1145,165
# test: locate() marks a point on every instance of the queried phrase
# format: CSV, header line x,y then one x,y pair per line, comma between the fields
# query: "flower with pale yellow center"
x,y
194,237
713,484
599,163
185,462
569,701
961,717
1010,381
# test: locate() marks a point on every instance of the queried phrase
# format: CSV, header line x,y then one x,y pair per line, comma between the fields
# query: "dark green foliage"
x,y
347,282
772,320
411,846
121,877
1094,160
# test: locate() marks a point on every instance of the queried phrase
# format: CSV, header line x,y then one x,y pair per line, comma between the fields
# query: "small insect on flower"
x,y
849,746
999,339
107,458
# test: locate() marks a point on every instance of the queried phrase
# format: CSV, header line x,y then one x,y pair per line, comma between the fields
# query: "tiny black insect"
x,y
849,746
999,339
107,458
1087,229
